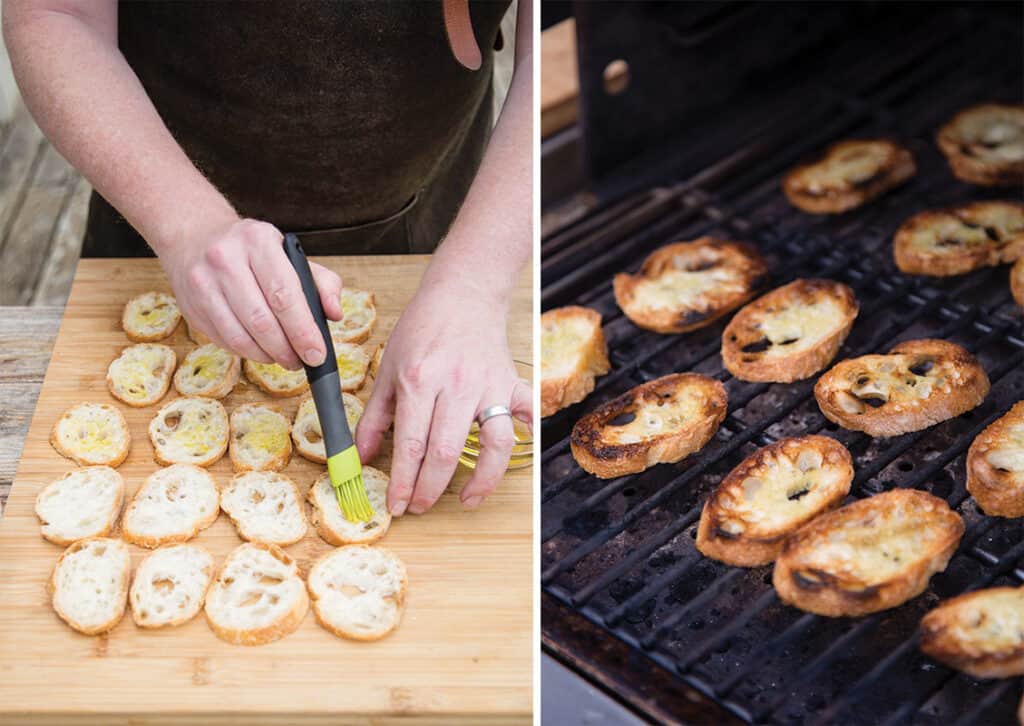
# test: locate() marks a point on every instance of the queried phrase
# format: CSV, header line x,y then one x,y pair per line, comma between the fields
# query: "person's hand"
x,y
236,285
445,362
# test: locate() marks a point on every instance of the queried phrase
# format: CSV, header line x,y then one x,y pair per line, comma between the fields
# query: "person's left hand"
x,y
446,361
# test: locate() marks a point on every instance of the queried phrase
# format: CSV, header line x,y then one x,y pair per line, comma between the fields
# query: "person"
x,y
207,129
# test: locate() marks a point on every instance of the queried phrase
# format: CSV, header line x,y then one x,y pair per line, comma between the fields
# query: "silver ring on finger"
x,y
492,411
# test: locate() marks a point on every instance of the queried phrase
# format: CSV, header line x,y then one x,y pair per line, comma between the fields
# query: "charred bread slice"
x,y
771,494
995,466
662,421
980,633
985,144
870,555
1017,282
791,333
573,353
849,174
688,285
918,384
960,239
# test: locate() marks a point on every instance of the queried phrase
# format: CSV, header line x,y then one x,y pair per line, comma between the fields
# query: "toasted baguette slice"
x,y
141,375
172,505
260,438
189,430
170,585
378,356
1017,282
331,524
92,434
995,466
353,364
771,494
358,591
258,596
306,433
980,633
791,333
265,506
850,173
573,353
871,555
276,380
688,285
985,144
208,371
150,317
358,317
662,421
81,504
960,239
89,584
196,335
918,384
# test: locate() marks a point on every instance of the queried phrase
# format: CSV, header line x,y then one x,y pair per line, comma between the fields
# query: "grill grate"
x,y
620,553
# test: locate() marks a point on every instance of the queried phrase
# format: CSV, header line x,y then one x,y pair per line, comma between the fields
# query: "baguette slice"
x,y
265,507
850,173
771,494
359,313
276,380
353,364
1017,282
791,333
960,239
662,421
260,438
150,317
688,285
170,585
358,591
331,524
196,335
573,354
918,384
92,434
208,371
378,356
258,596
141,375
306,433
980,633
172,505
81,504
985,144
871,555
89,584
995,466
189,430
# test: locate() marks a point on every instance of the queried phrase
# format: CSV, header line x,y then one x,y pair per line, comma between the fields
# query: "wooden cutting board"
x,y
463,652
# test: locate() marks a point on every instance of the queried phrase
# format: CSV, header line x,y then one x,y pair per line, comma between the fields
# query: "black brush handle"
x,y
323,379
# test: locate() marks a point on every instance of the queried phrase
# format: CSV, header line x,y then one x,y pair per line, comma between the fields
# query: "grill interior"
x,y
619,555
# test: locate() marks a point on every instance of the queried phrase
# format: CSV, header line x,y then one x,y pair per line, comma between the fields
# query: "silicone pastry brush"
x,y
343,465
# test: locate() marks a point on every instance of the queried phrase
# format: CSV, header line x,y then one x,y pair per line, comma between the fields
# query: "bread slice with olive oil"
x,y
689,285
871,555
791,333
208,371
189,430
260,438
771,494
150,317
980,633
573,354
276,380
306,433
995,466
662,421
92,434
331,524
985,144
849,174
918,384
141,375
958,240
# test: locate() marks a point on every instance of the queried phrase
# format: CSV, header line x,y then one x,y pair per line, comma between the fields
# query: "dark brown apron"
x,y
351,124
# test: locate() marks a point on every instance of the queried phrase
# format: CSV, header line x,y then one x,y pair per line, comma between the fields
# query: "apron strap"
x,y
459,28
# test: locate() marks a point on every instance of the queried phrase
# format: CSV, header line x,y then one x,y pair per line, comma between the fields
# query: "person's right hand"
x,y
236,285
